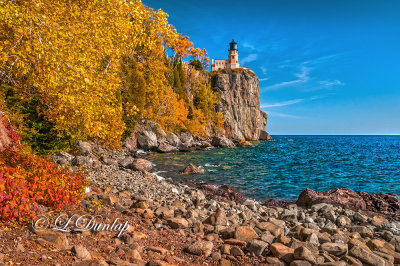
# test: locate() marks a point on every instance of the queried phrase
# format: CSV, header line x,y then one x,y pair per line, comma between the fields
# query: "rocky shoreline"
x,y
205,224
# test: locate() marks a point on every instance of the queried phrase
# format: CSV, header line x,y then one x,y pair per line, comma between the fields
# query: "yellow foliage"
x,y
71,51
198,123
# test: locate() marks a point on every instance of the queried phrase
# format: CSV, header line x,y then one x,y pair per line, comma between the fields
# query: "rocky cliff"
x,y
240,104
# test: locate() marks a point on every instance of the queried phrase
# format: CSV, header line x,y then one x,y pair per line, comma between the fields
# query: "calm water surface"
x,y
285,167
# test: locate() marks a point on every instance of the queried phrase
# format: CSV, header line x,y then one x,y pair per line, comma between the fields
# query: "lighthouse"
x,y
233,59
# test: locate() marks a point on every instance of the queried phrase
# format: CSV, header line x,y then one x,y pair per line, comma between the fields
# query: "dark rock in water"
x,y
381,202
222,142
192,169
349,199
265,136
219,193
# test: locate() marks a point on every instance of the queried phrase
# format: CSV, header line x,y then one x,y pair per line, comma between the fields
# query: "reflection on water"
x,y
285,167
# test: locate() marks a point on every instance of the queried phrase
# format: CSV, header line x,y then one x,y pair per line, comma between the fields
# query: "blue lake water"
x,y
285,167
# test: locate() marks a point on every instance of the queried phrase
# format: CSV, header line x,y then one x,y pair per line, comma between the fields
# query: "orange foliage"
x,y
27,180
198,122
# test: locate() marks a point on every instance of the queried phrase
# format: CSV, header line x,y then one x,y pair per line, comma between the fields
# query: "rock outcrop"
x,y
374,202
240,104
4,138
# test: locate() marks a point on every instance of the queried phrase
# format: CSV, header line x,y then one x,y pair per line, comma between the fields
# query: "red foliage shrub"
x,y
27,180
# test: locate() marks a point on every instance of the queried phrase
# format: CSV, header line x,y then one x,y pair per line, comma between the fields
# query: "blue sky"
x,y
325,67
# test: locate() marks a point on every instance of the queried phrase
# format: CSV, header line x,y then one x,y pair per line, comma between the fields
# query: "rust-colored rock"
x,y
245,233
373,202
339,196
282,252
381,202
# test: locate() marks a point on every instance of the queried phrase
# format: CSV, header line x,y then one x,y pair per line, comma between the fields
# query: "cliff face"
x,y
240,104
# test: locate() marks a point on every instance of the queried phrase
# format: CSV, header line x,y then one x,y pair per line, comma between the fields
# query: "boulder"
x,y
222,142
381,202
339,196
218,218
335,249
81,252
185,147
236,251
176,223
84,147
282,252
303,253
200,248
192,169
187,138
257,246
63,158
58,239
131,143
141,165
173,139
366,256
147,140
270,227
167,148
265,136
347,198
82,161
245,233
126,162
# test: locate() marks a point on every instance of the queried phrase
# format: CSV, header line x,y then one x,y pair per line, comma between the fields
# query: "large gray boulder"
x,y
173,140
222,142
186,138
265,136
164,147
147,140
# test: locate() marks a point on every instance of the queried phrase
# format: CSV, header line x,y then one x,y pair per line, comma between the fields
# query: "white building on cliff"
x,y
232,62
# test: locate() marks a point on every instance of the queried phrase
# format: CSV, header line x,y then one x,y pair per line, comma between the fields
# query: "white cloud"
x,y
303,77
264,79
285,103
278,114
264,70
248,59
328,83
250,46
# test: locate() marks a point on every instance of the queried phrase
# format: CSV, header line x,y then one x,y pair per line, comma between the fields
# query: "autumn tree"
x,y
71,53
133,93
